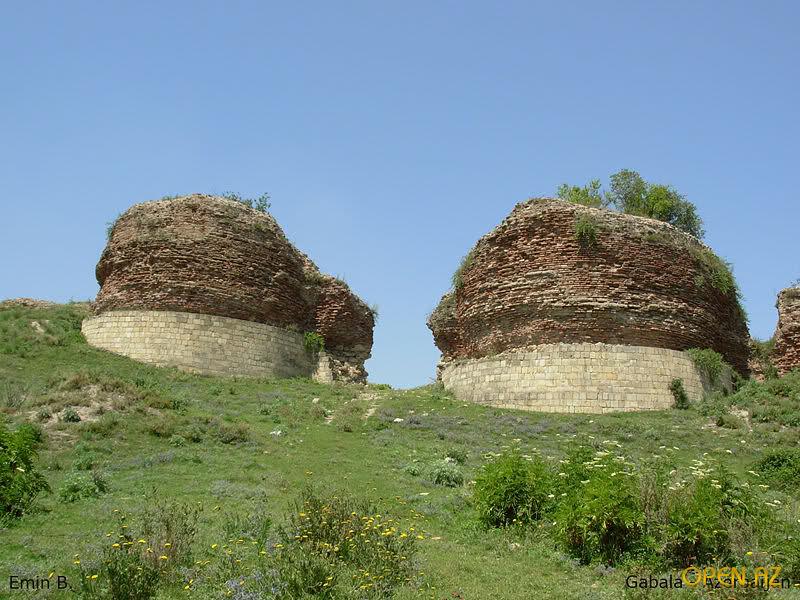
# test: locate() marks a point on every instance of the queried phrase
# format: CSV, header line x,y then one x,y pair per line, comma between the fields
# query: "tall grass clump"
x,y
20,481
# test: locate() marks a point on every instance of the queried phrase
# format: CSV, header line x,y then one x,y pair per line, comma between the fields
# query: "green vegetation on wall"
x,y
586,231
631,194
466,261
588,195
313,342
261,204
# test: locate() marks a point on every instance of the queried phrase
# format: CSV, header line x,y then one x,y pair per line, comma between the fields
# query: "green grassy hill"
x,y
119,438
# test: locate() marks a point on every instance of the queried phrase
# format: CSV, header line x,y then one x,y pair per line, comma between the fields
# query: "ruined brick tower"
x,y
576,309
786,355
211,285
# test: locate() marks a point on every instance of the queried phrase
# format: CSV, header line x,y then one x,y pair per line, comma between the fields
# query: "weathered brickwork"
x,y
208,255
786,355
570,378
642,282
202,343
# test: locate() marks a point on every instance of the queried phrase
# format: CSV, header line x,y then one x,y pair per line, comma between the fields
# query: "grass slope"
x,y
227,445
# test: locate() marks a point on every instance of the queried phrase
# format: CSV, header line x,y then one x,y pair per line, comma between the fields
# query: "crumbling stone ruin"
x,y
786,355
212,285
575,309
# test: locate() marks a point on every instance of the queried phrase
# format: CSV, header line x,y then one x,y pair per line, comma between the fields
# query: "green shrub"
x,y
772,400
70,415
103,426
600,518
586,231
78,485
512,489
588,195
413,470
43,414
457,454
147,552
631,194
177,440
261,204
162,426
761,351
85,461
679,393
708,362
335,546
313,342
20,481
230,433
702,515
446,474
781,468
194,432
729,421
123,573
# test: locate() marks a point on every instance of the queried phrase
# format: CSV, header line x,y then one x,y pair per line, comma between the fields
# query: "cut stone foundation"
x,y
574,378
207,344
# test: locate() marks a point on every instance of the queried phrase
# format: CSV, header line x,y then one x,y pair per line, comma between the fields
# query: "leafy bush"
x,y
631,194
588,195
313,342
20,482
512,489
702,515
781,467
85,461
772,400
413,470
103,426
78,485
586,231
123,573
761,351
679,393
446,474
457,454
168,525
261,204
70,415
729,421
600,517
145,553
333,539
230,433
708,362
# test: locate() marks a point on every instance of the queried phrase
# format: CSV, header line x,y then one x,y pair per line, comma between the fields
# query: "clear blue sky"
x,y
391,136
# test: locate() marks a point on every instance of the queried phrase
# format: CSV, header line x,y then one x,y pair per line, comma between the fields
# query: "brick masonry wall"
x,y
571,378
530,281
786,355
207,344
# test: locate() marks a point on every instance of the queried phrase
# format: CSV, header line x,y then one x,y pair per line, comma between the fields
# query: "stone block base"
x,y
574,378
